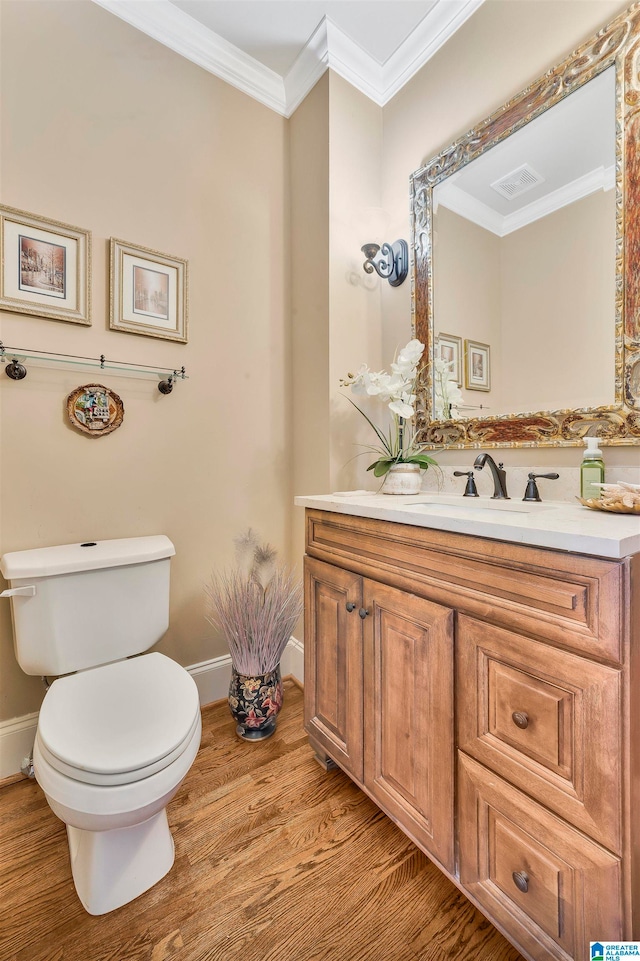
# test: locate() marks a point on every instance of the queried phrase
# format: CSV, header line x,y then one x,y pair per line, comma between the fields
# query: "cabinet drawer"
x,y
552,888
545,719
575,602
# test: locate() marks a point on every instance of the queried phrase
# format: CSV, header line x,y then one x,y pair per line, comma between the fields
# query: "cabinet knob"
x,y
363,612
521,881
350,606
520,719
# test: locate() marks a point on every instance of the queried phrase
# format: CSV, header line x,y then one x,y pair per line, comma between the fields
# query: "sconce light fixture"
x,y
391,261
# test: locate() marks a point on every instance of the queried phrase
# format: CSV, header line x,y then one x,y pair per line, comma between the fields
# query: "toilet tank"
x,y
91,603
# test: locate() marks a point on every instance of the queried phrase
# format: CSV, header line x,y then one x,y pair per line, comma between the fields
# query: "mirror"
x,y
526,236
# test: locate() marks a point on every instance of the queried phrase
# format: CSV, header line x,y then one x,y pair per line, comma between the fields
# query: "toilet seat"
x,y
119,723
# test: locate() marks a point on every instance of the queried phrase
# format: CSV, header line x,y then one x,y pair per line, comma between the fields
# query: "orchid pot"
x,y
403,479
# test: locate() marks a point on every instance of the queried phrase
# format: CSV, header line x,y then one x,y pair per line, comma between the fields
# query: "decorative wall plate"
x,y
95,410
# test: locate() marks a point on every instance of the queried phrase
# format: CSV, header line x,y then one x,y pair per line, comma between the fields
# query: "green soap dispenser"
x,y
591,470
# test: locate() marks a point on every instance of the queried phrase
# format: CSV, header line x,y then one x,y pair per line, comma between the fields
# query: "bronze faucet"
x,y
499,475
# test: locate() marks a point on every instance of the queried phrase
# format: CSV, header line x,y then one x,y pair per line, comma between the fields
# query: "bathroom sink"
x,y
484,508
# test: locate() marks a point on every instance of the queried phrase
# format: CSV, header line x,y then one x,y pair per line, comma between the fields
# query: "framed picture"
x,y
148,292
477,368
449,349
45,267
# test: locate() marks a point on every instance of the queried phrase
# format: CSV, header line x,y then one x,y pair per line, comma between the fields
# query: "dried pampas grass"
x,y
256,606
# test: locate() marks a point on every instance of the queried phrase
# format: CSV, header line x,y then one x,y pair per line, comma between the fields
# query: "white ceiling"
x,y
571,146
275,31
276,50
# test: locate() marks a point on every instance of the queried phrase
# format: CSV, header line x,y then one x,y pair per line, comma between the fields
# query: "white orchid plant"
x,y
398,391
447,396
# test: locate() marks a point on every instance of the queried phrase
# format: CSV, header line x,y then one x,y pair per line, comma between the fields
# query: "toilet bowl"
x,y
118,729
113,746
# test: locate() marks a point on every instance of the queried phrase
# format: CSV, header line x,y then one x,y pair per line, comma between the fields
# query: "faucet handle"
x,y
532,493
470,490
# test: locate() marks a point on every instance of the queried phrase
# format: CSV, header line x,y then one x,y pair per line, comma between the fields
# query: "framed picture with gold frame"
x,y
477,366
45,267
149,292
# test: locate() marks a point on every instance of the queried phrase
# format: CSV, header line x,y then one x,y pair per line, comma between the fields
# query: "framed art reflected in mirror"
x,y
477,366
448,348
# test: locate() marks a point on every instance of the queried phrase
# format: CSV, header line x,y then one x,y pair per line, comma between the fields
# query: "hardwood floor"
x,y
276,860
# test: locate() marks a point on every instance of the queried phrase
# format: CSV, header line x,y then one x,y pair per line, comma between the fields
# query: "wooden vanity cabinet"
x,y
533,748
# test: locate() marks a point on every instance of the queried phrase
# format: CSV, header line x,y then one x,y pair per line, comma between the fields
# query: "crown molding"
x,y
328,47
310,64
462,203
429,36
602,178
350,61
170,26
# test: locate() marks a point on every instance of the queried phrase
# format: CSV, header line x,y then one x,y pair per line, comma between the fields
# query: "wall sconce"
x,y
391,261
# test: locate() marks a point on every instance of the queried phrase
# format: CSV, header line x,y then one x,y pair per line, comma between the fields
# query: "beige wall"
x,y
335,138
309,166
558,296
335,146
466,303
502,48
355,146
104,128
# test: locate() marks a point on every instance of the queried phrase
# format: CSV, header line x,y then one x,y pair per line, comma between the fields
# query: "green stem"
x,y
381,436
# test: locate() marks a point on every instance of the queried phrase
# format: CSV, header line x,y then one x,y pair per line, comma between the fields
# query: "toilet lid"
x,y
120,722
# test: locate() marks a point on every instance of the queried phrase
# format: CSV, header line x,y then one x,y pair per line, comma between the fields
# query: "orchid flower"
x,y
447,396
398,391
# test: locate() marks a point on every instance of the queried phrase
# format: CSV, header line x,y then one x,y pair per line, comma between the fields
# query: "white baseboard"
x,y
16,742
293,660
212,679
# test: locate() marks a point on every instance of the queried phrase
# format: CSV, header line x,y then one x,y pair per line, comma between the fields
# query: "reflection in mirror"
x,y
524,259
520,231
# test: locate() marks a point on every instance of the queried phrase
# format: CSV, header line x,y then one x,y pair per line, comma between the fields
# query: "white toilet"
x,y
116,739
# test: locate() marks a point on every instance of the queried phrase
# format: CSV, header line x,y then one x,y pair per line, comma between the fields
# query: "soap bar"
x,y
351,493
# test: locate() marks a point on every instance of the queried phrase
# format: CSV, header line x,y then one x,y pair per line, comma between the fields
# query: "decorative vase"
x,y
403,479
255,702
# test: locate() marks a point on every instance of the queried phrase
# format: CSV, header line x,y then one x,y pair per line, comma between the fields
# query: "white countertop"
x,y
554,524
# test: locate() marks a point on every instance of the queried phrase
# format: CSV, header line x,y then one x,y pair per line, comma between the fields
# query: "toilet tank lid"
x,y
86,556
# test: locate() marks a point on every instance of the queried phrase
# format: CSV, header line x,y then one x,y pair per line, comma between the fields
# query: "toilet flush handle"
x,y
20,591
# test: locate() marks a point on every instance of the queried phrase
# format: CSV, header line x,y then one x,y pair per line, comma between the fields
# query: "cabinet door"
x,y
409,761
333,663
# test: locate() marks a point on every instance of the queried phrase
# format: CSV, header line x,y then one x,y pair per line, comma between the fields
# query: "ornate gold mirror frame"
x,y
617,44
